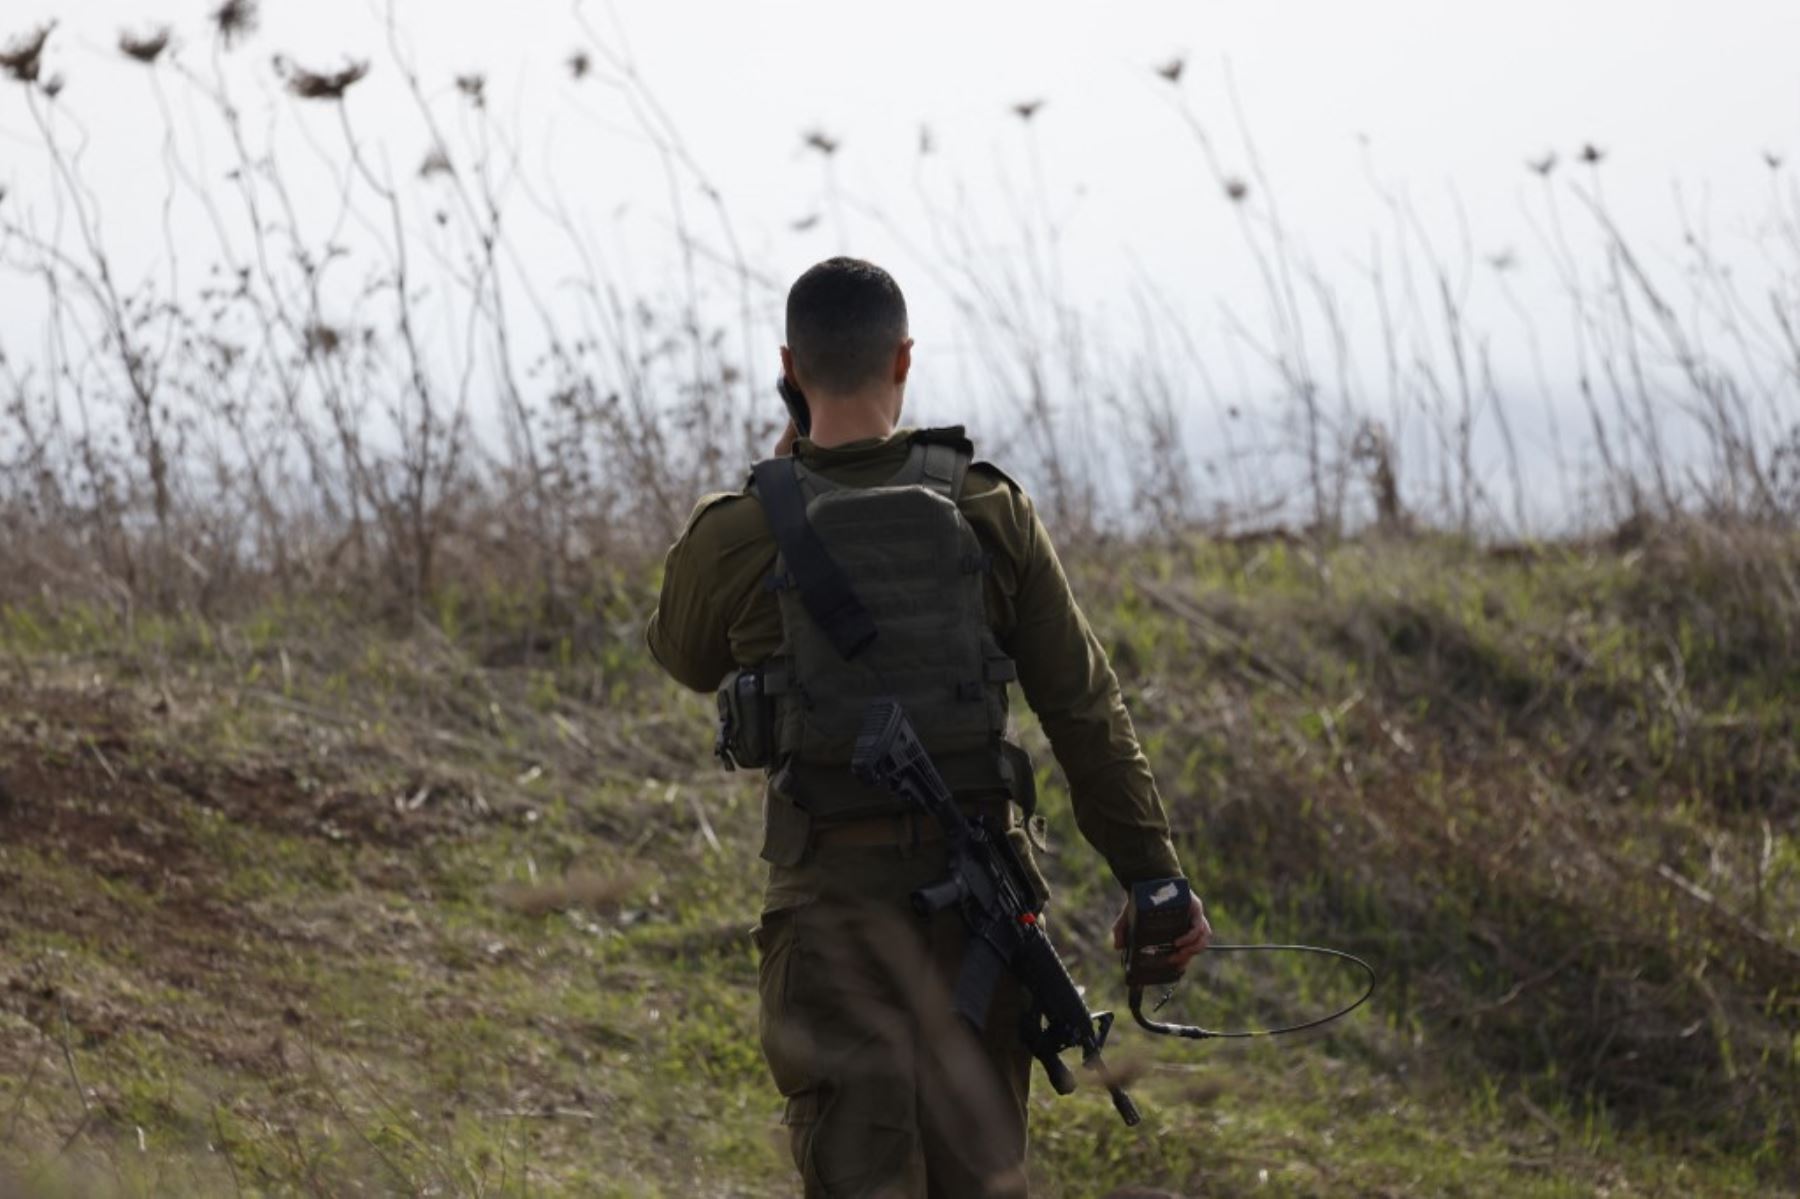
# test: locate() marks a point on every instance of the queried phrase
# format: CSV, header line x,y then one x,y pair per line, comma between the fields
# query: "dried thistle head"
x,y
318,85
474,86
1592,154
580,63
436,163
1544,165
322,341
146,49
53,86
824,143
24,55
1172,69
237,19
1027,109
1236,189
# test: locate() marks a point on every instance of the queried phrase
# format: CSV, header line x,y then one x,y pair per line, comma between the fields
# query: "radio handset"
x,y
796,404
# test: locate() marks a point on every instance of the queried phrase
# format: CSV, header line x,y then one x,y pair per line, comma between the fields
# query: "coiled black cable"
x,y
1196,1033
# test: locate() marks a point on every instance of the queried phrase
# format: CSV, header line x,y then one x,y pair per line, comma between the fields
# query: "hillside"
x,y
300,900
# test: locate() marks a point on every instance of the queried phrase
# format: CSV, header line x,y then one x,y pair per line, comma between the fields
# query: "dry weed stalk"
x,y
584,889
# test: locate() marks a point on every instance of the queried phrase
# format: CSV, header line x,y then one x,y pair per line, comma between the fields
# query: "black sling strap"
x,y
824,591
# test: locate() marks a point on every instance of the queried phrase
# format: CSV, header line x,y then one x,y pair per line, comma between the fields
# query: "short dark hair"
x,y
845,319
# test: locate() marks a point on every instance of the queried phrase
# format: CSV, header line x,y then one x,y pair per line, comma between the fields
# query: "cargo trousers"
x,y
889,1094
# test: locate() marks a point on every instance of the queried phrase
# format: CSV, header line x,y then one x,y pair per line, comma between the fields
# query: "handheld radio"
x,y
795,399
1157,916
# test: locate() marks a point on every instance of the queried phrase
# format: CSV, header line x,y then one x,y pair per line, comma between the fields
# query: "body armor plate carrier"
x,y
881,596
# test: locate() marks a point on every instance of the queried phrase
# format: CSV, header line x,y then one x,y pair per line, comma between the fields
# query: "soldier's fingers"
x,y
1181,957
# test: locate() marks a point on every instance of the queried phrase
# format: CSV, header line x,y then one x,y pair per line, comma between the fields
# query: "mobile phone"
x,y
796,404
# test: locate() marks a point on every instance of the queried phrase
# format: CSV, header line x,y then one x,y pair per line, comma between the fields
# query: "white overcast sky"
x,y
1442,100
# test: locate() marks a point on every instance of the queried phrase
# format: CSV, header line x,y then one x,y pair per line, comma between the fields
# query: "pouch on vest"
x,y
746,738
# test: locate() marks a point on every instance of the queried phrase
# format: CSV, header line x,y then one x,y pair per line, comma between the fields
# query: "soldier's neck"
x,y
840,422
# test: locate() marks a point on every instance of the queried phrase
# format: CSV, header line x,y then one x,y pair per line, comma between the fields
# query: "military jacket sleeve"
x,y
710,577
1067,680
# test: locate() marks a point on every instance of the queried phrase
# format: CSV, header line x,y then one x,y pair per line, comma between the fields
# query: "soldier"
x,y
887,1094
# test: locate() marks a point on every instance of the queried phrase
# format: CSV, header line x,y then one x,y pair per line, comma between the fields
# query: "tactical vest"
x,y
895,609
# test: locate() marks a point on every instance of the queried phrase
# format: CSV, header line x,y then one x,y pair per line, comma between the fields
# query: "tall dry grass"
x,y
295,416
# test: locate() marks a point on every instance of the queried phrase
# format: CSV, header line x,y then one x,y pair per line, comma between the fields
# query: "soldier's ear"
x,y
787,366
903,361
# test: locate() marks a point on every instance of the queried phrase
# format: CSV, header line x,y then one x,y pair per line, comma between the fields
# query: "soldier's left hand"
x,y
1188,945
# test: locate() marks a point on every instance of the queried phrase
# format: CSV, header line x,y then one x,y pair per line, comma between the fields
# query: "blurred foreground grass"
x,y
302,901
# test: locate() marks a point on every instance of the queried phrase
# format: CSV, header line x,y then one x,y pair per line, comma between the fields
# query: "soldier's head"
x,y
847,334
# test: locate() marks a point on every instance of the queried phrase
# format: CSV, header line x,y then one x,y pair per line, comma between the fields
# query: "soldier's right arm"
x,y
710,573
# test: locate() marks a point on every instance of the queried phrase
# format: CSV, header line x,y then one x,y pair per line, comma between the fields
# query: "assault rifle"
x,y
988,886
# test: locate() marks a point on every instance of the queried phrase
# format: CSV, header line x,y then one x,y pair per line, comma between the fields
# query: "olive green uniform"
x,y
851,979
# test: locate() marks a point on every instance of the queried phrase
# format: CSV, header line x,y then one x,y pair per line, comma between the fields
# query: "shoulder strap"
x,y
948,452
939,459
825,592
945,467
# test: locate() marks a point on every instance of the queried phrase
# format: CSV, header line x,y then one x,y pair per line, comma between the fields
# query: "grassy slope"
x,y
297,904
